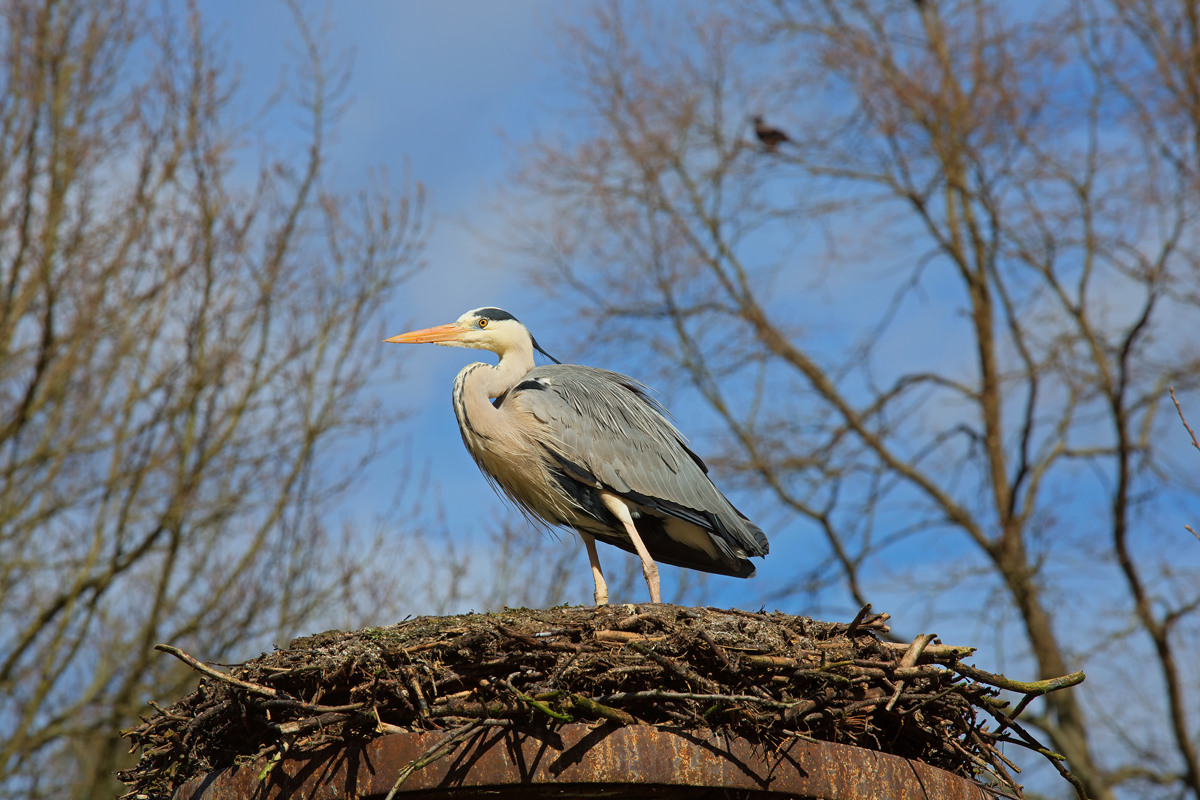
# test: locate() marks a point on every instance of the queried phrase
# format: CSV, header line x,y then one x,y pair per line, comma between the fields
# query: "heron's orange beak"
x,y
442,333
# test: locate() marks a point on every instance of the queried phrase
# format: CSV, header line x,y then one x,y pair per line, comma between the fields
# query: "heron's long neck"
x,y
478,383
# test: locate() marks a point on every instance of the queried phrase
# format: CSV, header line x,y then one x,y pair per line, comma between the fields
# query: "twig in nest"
x,y
634,620
415,685
679,669
275,759
992,765
910,660
625,637
421,648
994,755
717,651
673,714
311,707
661,695
876,622
214,673
558,673
778,662
1035,688
301,725
759,616
517,636
165,713
601,710
1031,743
201,720
385,727
535,704
858,618
934,651
974,759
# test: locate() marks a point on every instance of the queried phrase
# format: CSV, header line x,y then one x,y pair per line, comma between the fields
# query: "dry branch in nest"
x,y
765,677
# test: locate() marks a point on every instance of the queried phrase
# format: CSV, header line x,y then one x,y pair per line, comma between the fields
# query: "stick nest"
x,y
762,676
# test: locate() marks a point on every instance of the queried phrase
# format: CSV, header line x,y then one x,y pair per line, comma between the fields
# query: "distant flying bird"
x,y
769,136
589,449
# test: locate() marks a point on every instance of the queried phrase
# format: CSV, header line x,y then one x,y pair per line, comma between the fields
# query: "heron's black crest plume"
x,y
538,347
496,314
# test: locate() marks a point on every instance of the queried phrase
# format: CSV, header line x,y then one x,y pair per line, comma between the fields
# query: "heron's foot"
x,y
601,597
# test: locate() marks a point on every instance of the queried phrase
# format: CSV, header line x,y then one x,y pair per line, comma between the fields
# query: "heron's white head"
x,y
483,329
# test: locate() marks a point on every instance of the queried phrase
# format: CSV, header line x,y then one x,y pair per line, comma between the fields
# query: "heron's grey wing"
x,y
609,431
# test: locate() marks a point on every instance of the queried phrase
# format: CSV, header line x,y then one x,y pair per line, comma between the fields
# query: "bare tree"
x,y
182,333
942,321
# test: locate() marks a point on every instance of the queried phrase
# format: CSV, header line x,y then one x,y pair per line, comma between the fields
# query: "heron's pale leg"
x,y
649,569
601,587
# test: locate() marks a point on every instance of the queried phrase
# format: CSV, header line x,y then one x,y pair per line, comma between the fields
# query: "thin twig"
x,y
302,706
166,713
625,637
717,651
602,710
1035,688
858,618
661,695
1182,419
214,673
280,752
934,651
910,660
994,756
535,704
415,685
385,727
674,666
1031,743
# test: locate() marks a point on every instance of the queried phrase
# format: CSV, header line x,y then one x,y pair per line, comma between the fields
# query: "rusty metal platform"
x,y
576,760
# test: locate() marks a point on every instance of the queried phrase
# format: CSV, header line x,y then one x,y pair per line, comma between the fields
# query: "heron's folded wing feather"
x,y
607,423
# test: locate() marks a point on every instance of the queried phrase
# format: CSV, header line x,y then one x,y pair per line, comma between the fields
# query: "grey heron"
x,y
589,449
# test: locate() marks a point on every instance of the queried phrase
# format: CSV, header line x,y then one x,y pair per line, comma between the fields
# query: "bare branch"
x,y
1183,419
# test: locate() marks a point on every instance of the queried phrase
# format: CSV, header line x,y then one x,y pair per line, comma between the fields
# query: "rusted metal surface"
x,y
582,761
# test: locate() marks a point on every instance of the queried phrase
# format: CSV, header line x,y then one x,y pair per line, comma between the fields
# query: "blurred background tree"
x,y
937,325
931,335
189,317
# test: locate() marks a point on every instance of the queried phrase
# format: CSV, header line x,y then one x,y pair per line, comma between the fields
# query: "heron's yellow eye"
x,y
483,322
